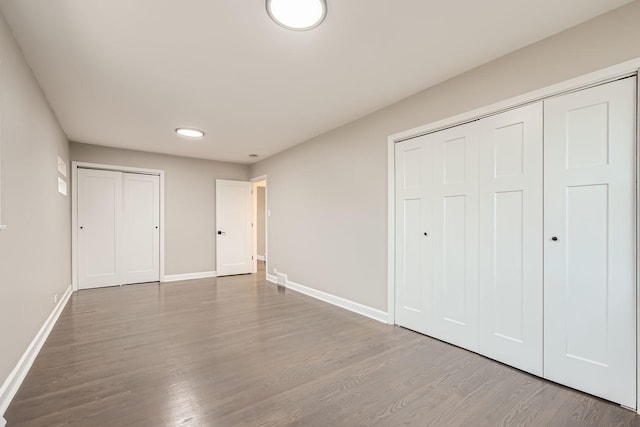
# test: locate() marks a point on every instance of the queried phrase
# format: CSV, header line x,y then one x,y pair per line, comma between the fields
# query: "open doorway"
x,y
260,214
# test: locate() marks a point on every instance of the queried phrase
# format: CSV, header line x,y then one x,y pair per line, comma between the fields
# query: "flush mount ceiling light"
x,y
297,15
190,133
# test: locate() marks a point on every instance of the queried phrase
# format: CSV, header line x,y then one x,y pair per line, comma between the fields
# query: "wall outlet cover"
x,y
282,279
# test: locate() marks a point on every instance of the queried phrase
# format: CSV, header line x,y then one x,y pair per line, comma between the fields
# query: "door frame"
x,y
609,74
74,210
254,221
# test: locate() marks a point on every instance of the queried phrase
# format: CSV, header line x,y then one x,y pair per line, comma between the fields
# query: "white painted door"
x,y
141,228
454,235
414,257
233,227
510,241
99,228
589,241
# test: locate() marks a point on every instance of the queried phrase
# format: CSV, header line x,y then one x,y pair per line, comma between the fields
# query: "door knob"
x,y
156,227
81,228
425,234
554,238
221,232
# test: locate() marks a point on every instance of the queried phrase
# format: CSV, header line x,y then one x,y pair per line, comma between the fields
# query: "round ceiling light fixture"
x,y
190,133
297,15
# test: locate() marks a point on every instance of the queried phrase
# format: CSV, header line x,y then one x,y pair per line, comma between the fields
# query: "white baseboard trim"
x,y
372,313
272,279
15,378
260,257
188,276
3,422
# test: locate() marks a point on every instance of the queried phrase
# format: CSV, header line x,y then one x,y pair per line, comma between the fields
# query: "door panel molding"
x,y
589,240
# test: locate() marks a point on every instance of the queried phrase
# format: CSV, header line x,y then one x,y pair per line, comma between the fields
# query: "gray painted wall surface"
x,y
328,196
261,221
190,191
35,250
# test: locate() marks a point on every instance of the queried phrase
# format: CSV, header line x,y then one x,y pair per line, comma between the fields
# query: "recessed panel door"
x,y
414,258
233,223
141,228
589,241
510,240
99,228
455,235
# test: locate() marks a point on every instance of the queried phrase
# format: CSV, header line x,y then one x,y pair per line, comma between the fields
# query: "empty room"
x,y
319,213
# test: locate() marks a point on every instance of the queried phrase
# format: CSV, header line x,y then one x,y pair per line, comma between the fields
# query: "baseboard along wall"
x,y
188,276
372,313
18,374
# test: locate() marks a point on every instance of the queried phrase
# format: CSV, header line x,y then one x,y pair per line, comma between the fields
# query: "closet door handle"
x,y
554,238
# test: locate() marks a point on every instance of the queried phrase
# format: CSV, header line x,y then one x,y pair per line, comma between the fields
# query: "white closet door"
x,y
589,241
141,226
455,235
234,244
99,228
510,237
414,272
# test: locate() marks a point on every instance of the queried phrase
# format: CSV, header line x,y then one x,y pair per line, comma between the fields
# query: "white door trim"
x,y
625,69
254,230
637,243
74,210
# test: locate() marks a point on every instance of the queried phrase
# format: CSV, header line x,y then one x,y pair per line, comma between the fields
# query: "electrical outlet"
x,y
55,298
275,271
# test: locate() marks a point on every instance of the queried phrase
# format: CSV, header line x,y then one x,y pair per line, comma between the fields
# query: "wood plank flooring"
x,y
238,351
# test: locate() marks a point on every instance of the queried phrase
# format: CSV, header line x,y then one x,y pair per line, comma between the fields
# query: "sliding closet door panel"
x,y
455,235
510,237
99,228
590,274
413,250
141,225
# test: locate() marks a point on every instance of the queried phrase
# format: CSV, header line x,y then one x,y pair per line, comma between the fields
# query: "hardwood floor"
x,y
238,351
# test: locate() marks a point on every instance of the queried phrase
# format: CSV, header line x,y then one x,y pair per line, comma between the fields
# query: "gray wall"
x,y
190,190
260,207
331,190
35,250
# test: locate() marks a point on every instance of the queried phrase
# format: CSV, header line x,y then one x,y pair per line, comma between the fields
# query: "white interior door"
x,y
233,227
99,228
141,227
510,237
414,259
589,241
454,235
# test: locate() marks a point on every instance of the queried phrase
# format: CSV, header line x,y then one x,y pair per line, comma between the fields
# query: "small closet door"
x,y
99,228
589,241
141,226
414,254
454,235
510,241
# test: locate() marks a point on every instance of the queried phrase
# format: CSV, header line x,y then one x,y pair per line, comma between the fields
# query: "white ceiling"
x,y
126,73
